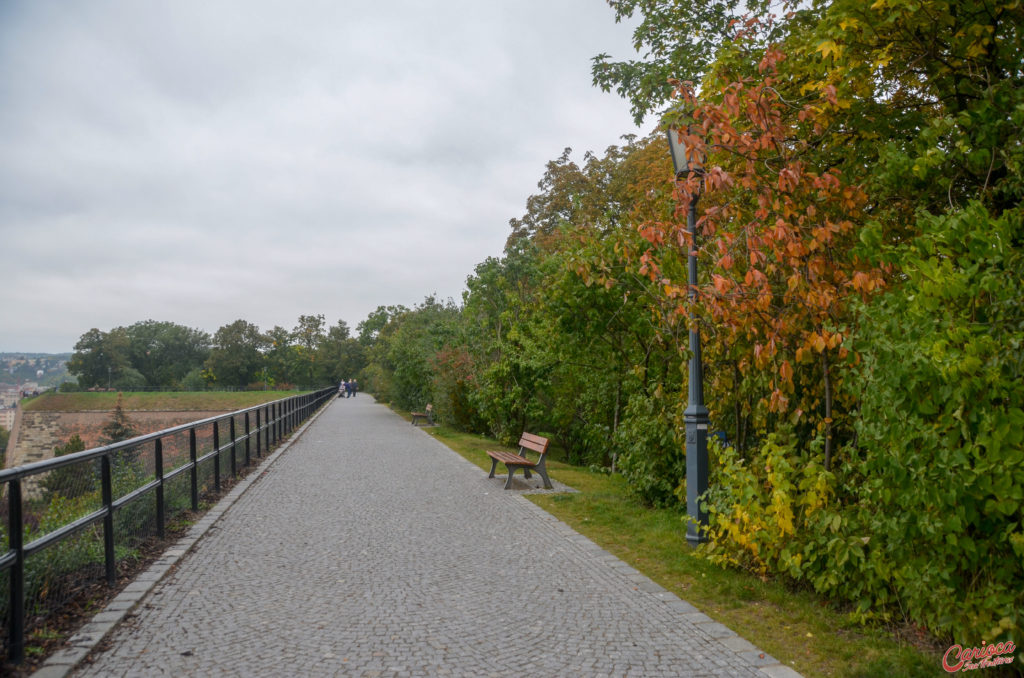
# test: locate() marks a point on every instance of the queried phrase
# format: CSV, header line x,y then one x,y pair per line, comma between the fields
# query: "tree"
x,y
147,354
860,227
404,350
681,41
164,352
308,335
99,357
341,356
281,357
237,354
369,329
119,427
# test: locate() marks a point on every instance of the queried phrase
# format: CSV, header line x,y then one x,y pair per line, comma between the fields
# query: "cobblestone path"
x,y
369,549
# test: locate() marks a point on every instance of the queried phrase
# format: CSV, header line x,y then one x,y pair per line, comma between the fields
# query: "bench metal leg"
x,y
544,474
494,465
511,471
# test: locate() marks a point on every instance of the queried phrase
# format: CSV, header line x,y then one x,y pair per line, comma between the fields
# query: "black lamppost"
x,y
687,159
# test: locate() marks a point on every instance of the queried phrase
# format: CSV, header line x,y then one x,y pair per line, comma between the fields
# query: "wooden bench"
x,y
513,461
428,414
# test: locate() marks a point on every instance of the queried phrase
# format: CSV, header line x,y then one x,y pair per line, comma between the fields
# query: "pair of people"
x,y
348,388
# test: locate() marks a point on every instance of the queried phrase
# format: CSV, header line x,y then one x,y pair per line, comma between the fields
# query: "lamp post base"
x,y
696,418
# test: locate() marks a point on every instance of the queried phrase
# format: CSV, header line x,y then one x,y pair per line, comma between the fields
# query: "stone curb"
x,y
89,636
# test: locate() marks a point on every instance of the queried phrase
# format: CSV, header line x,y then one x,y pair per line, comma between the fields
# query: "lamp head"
x,y
686,157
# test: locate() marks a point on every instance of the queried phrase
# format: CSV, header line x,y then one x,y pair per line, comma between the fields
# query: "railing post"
x,y
158,461
194,471
107,492
234,445
16,542
277,422
259,433
247,435
216,457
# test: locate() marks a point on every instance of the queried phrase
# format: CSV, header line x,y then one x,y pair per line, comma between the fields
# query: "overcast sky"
x,y
199,161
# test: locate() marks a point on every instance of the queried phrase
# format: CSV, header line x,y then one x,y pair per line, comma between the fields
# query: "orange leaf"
x,y
786,372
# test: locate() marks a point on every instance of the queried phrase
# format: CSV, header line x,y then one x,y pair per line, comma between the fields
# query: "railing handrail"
x,y
44,465
282,417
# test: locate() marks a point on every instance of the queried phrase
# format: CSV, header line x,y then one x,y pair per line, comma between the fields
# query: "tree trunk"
x,y
828,410
615,420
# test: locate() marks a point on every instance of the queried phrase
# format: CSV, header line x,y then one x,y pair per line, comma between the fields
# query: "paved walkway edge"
x,y
89,636
747,651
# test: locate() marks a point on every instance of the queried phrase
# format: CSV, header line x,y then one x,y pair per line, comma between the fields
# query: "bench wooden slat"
x,y
511,458
534,442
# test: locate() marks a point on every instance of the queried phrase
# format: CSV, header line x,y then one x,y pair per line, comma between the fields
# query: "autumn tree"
x,y
860,221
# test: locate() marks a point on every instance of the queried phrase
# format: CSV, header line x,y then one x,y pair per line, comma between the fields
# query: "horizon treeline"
x,y
159,355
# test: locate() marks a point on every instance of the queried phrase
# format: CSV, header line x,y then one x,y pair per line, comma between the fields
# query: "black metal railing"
x,y
61,523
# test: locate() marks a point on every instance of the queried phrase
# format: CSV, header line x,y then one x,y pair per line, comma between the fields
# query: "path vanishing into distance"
x,y
364,547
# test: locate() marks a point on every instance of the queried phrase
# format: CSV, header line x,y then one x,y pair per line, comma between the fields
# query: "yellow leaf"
x,y
976,49
828,47
813,86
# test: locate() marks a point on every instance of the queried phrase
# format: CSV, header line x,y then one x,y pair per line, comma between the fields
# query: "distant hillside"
x,y
49,370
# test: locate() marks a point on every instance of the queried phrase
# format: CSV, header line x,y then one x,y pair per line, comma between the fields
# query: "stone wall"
x,y
35,434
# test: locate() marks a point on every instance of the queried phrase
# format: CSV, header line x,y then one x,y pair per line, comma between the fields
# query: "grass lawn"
x,y
796,627
169,400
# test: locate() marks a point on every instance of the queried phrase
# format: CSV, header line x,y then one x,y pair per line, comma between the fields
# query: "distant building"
x,y
9,397
7,417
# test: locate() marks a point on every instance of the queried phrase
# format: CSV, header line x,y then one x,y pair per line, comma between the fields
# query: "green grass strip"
x,y
797,627
153,401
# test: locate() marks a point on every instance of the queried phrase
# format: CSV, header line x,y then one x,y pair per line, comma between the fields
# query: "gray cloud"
x,y
202,161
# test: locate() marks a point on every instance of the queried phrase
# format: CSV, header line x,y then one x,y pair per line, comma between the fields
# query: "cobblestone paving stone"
x,y
370,549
